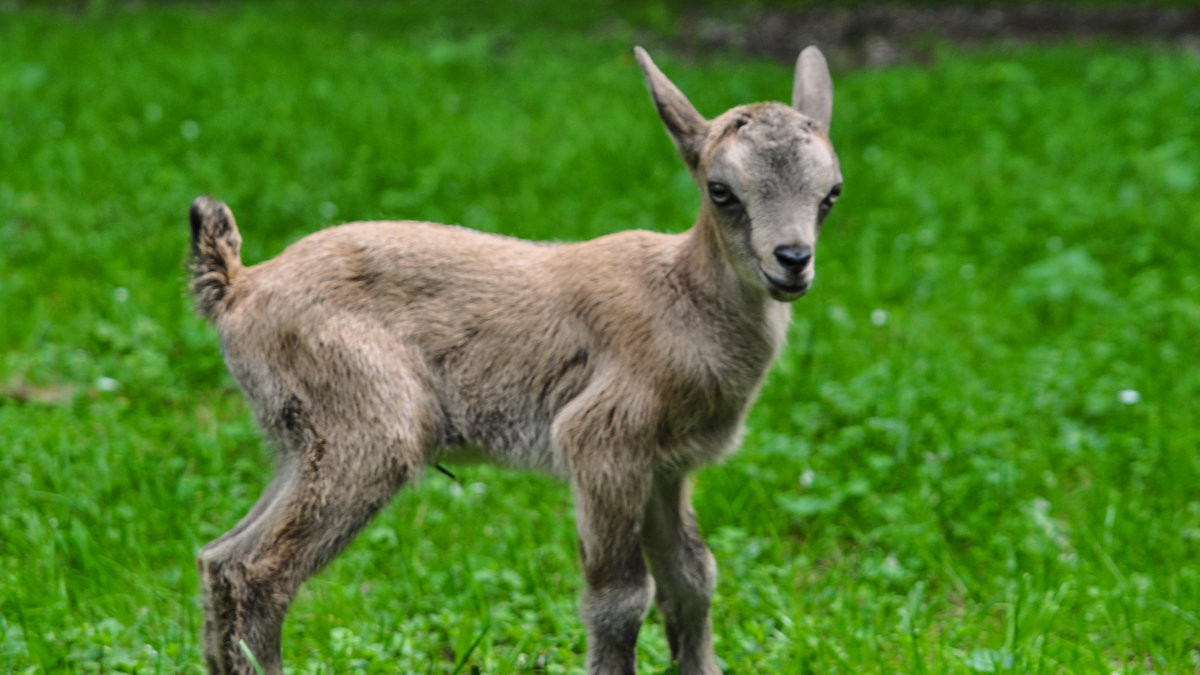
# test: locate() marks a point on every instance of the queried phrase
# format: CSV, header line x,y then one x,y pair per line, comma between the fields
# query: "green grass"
x,y
940,475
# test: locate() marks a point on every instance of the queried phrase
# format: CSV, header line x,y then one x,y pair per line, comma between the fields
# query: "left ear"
x,y
812,90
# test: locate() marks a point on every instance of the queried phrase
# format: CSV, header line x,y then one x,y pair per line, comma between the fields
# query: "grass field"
x,y
979,452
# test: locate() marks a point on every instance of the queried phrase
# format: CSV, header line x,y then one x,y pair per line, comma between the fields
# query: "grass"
x,y
977,454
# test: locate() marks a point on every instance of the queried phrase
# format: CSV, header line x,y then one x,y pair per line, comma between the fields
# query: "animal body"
x,y
370,351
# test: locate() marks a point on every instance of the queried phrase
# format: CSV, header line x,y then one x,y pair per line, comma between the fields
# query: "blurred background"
x,y
978,452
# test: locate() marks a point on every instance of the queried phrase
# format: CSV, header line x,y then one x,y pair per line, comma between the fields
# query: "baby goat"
x,y
372,350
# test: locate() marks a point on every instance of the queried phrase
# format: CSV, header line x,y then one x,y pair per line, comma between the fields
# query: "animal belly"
x,y
528,454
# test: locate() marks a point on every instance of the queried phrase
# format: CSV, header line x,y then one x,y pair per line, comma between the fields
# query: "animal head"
x,y
768,174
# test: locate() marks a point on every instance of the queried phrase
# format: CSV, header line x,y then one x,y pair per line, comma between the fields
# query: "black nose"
x,y
793,258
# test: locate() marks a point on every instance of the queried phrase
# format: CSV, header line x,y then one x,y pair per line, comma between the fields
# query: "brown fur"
x,y
372,350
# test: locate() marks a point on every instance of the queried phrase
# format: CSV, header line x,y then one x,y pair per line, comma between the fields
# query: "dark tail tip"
x,y
216,247
196,217
205,216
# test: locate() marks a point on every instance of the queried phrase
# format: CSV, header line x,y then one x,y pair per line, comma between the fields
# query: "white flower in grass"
x,y
107,384
879,317
1129,396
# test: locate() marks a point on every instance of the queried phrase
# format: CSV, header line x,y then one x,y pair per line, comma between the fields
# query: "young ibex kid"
x,y
372,350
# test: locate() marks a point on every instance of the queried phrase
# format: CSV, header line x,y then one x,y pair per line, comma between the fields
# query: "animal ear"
x,y
812,90
686,126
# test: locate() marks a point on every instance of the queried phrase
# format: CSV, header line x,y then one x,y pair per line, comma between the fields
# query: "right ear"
x,y
686,126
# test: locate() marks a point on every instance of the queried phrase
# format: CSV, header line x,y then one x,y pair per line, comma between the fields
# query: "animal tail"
x,y
216,255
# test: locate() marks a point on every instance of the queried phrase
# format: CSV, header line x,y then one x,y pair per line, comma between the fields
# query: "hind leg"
x,y
220,607
325,492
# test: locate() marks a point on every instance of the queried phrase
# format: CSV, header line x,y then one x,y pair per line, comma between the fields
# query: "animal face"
x,y
770,177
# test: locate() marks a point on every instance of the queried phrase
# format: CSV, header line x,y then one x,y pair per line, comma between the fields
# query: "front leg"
x,y
685,575
619,587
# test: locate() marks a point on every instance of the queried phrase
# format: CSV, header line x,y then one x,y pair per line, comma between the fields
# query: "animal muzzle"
x,y
794,259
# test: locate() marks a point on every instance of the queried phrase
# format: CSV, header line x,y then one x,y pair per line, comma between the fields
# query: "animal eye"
x,y
721,195
827,203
